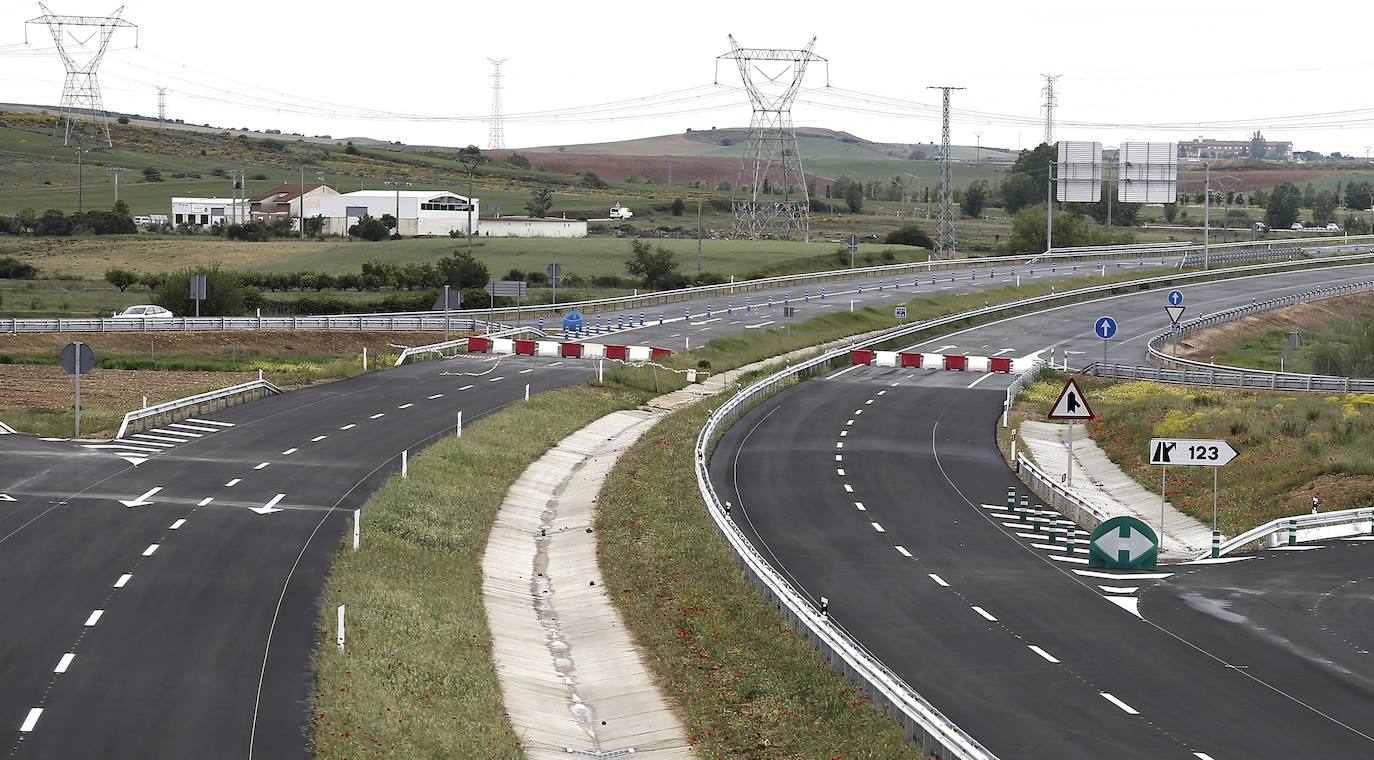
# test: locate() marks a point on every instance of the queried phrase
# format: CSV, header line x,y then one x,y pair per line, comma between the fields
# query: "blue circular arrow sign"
x,y
1175,297
1105,327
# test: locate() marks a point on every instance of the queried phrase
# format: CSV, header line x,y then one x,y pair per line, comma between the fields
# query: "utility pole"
x,y
1206,216
978,151
80,179
398,185
114,171
944,229
698,237
300,207
670,170
162,104
237,176
1048,92
1049,208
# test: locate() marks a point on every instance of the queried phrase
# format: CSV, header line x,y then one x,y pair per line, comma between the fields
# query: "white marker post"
x,y
357,528
340,637
405,465
460,423
364,358
527,391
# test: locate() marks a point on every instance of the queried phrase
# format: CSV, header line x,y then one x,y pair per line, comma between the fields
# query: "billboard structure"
x,y
1148,173
1079,172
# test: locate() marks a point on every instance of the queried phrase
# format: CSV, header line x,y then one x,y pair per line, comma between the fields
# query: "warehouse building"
x,y
418,212
529,226
208,212
287,201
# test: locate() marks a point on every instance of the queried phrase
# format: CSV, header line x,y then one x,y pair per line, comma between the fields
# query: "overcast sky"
x,y
1216,69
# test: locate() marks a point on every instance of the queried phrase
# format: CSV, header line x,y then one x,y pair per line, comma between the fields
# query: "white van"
x,y
621,212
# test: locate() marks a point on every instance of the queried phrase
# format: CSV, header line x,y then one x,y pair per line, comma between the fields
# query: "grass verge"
x,y
1292,446
747,685
417,678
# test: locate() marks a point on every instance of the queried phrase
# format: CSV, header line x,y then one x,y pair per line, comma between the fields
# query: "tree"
x,y
151,174
910,235
27,219
121,209
678,207
1324,207
121,278
352,150
1019,191
654,266
1258,149
1036,162
1028,230
1170,211
975,199
225,294
541,200
462,270
1309,196
854,197
518,161
389,220
1282,209
1358,195
368,228
314,226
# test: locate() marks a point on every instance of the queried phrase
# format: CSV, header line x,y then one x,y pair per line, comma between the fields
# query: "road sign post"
x,y
1192,453
198,290
1105,327
1071,405
901,312
77,359
853,246
555,274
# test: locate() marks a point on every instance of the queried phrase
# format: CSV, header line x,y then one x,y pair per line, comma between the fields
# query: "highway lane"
x,y
1176,673
183,625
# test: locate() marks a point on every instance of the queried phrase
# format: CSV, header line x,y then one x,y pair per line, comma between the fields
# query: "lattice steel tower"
x,y
772,158
81,89
496,138
1048,92
944,227
162,104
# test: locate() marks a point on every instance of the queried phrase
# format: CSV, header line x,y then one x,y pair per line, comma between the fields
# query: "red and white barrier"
x,y
953,362
567,350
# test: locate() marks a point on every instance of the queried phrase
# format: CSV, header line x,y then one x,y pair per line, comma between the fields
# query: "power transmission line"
x,y
496,139
81,88
944,228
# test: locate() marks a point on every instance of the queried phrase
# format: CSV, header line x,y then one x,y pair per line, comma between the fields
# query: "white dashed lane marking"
x,y
466,387
494,379
1124,707
205,501
318,438
233,482
878,527
405,406
95,617
860,506
986,615
261,465
437,395
377,415
938,580
151,548
31,720
64,663
902,551
848,488
1048,657
349,426
177,525
123,580
289,452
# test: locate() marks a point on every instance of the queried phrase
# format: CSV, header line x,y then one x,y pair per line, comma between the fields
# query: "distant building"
x,y
418,212
208,212
286,201
1204,147
529,226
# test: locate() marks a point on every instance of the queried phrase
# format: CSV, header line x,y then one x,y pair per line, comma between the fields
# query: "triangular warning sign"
x,y
1071,404
1174,312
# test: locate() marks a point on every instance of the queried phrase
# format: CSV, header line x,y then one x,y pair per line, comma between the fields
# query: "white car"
x,y
145,311
1333,227
1296,226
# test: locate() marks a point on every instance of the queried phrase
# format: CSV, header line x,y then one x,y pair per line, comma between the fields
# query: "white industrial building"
x,y
208,212
418,212
530,226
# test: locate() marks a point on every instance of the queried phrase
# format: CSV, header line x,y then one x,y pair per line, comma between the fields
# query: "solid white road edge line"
x,y
834,375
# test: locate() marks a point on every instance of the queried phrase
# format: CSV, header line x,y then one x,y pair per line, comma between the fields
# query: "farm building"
x,y
286,201
528,226
418,212
208,212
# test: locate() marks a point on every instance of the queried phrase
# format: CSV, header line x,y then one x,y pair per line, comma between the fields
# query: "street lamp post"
x,y
114,172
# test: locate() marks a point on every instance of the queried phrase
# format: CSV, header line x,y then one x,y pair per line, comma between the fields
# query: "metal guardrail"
x,y
405,322
445,345
1058,497
1026,377
1192,372
1198,258
1289,527
200,403
922,720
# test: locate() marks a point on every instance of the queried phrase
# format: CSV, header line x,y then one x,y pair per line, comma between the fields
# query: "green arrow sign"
x,y
1123,543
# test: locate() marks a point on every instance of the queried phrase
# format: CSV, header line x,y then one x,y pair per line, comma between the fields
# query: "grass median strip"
x,y
416,678
747,685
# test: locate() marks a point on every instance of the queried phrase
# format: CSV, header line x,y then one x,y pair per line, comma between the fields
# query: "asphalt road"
x,y
880,489
183,625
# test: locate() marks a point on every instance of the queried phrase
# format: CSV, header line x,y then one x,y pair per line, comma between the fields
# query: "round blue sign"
x,y
1105,327
1175,297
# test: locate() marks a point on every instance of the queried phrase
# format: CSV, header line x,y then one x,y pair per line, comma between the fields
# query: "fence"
x,y
1198,258
202,403
1289,530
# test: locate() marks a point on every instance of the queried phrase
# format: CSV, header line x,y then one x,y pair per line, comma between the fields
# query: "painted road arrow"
x,y
7,497
270,506
141,501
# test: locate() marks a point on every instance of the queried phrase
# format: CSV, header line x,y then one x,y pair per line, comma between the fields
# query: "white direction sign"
x,y
1174,312
1173,451
1071,404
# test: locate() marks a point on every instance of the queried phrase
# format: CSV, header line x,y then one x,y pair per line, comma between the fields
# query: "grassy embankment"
x,y
1292,446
